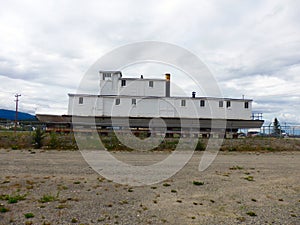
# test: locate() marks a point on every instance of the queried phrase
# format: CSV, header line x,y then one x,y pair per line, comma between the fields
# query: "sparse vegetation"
x,y
74,220
3,209
249,178
236,168
40,139
29,215
200,145
251,213
11,199
198,183
47,198
61,206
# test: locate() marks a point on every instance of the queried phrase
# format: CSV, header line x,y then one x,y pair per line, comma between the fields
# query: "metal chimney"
x,y
168,78
193,94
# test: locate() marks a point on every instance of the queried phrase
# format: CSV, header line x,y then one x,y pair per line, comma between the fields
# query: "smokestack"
x,y
168,78
193,94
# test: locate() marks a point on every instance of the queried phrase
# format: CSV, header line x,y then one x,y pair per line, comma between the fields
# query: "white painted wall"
x,y
134,87
140,87
150,101
157,107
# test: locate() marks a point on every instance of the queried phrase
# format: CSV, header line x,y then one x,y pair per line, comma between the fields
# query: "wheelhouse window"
x,y
133,101
221,104
202,103
106,75
246,105
228,104
151,83
123,83
80,100
183,103
118,101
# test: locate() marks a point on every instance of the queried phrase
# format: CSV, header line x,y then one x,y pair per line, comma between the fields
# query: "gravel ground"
x,y
59,187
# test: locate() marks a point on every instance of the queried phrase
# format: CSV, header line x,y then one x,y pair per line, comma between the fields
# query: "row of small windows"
x,y
183,103
151,83
221,104
118,101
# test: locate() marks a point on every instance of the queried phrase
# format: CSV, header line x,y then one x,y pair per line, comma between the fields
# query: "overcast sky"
x,y
251,47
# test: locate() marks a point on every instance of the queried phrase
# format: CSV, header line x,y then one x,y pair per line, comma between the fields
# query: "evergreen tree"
x,y
38,137
276,127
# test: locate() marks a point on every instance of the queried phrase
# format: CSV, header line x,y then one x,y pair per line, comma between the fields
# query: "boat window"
x,y
221,104
80,101
202,103
151,83
183,103
228,104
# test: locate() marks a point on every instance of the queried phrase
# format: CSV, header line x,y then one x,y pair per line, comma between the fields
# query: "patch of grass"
x,y
47,198
11,199
46,223
123,202
241,219
74,220
200,146
251,213
249,178
14,147
236,168
130,190
166,184
61,206
253,200
3,209
198,183
62,187
76,182
101,219
173,191
29,215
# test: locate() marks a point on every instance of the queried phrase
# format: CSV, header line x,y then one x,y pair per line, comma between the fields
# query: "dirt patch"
x,y
59,187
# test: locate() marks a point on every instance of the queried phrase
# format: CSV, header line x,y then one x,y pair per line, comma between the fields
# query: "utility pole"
x,y
16,117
